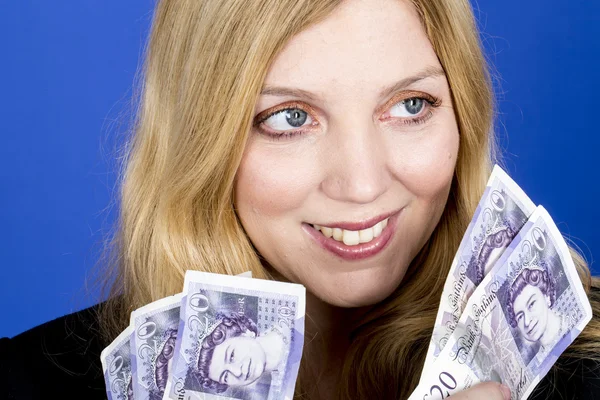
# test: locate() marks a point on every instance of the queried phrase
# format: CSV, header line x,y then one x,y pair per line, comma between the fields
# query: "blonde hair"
x,y
204,69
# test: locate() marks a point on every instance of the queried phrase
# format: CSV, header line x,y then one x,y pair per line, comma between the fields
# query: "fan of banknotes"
x,y
511,304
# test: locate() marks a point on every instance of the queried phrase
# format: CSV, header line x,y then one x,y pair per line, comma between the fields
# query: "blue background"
x,y
66,75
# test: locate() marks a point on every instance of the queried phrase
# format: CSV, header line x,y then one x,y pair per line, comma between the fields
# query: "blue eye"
x,y
225,377
409,107
231,358
286,119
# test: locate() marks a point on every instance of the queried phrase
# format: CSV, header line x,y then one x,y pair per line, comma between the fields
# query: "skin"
x,y
353,165
357,159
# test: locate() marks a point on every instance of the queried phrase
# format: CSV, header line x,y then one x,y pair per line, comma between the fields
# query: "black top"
x,y
57,360
61,359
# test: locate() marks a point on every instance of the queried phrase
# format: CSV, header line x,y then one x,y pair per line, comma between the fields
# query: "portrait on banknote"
x,y
234,359
234,345
537,299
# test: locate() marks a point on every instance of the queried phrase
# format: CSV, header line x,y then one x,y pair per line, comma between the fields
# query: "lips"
x,y
530,332
357,226
360,251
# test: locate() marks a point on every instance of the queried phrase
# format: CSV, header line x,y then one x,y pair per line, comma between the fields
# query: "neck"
x,y
326,342
274,347
328,337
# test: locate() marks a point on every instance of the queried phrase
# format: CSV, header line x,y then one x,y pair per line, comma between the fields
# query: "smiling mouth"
x,y
353,238
354,250
529,332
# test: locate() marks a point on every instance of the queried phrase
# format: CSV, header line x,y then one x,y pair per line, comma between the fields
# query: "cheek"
x,y
425,163
272,181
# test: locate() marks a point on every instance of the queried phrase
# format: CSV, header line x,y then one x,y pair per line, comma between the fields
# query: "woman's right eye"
x,y
231,358
286,119
225,377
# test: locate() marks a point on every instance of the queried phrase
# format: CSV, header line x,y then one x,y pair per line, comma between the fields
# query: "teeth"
x,y
352,238
377,229
337,234
366,235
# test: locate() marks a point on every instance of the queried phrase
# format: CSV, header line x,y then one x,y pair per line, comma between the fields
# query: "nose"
x,y
236,369
527,320
356,164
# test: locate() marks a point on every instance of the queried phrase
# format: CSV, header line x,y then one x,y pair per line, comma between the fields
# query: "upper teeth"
x,y
352,238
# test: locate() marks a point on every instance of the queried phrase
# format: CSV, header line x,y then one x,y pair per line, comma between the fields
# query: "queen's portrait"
x,y
233,354
532,296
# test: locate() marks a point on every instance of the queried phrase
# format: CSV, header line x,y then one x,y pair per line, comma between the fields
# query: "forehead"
x,y
523,297
363,44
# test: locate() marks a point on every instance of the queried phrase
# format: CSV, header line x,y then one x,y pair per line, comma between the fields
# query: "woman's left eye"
x,y
531,305
287,119
408,108
231,358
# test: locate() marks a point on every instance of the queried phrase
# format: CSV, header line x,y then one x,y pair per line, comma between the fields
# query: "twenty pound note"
x,y
152,346
502,211
116,365
524,314
238,339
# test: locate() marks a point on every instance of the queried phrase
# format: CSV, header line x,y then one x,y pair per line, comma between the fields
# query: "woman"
x,y
531,300
232,355
341,145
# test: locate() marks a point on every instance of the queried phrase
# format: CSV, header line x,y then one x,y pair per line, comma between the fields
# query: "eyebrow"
x,y
429,72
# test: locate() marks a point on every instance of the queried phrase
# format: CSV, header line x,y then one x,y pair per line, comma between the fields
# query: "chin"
x,y
355,289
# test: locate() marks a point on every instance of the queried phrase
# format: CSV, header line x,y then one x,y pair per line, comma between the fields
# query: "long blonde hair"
x,y
204,69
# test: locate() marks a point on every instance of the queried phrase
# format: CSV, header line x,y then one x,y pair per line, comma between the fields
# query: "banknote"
x,y
152,346
502,211
116,366
522,316
237,339
153,343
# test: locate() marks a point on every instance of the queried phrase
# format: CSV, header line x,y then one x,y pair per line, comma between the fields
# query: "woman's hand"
x,y
486,390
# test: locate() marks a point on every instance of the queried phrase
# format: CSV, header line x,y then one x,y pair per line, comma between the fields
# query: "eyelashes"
x,y
405,109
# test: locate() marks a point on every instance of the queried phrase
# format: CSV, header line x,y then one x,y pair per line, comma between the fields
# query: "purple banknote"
x,y
116,365
518,321
502,211
238,338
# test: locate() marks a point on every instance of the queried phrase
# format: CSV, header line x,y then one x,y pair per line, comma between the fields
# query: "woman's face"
x,y
354,130
238,361
531,312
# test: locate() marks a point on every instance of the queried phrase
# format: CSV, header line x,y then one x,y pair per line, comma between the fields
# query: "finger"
x,y
486,390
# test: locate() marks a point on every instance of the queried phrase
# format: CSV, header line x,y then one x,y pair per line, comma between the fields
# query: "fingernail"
x,y
505,392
